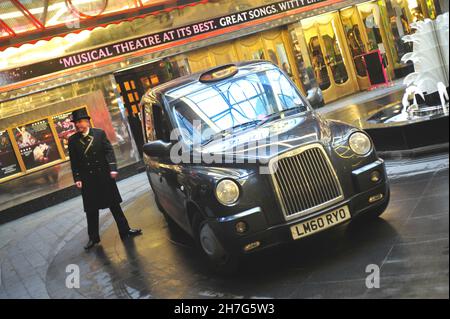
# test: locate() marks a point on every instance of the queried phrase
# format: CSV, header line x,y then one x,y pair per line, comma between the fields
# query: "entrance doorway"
x,y
328,52
267,45
358,43
133,83
329,49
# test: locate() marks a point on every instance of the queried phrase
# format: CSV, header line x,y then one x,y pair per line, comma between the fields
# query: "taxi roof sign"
x,y
220,73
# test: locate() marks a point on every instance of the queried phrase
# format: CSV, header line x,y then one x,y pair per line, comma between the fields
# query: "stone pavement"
x,y
28,245
395,89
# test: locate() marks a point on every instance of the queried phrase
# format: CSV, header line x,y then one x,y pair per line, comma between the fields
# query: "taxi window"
x,y
150,134
155,121
226,104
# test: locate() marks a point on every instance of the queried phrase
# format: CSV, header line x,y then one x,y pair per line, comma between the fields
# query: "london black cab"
x,y
238,159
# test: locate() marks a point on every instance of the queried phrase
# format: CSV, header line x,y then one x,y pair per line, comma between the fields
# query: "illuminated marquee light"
x,y
79,11
149,43
87,8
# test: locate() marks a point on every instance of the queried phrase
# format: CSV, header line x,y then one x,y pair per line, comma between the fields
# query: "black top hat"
x,y
79,115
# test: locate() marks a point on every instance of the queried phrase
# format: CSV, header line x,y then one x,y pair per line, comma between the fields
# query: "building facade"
x,y
106,69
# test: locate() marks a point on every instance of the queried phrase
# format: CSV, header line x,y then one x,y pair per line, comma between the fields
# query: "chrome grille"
x,y
305,181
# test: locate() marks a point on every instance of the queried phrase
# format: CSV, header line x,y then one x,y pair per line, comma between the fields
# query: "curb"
x,y
415,153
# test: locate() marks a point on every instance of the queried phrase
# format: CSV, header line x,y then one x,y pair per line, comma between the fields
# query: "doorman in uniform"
x,y
94,171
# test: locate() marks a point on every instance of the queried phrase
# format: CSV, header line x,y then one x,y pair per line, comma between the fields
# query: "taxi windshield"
x,y
224,107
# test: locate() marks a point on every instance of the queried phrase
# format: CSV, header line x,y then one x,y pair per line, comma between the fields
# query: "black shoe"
x,y
131,233
91,244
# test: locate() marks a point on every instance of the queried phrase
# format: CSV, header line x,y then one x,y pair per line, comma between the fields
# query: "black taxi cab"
x,y
238,159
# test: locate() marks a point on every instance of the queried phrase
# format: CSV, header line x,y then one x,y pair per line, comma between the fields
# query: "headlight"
x,y
360,143
227,192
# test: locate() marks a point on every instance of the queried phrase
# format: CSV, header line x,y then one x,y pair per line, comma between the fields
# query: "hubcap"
x,y
208,240
212,247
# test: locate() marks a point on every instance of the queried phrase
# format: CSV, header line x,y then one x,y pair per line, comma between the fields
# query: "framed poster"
x,y
36,143
65,129
8,160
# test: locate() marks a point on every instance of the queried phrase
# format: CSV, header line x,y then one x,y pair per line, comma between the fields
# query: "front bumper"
x,y
260,235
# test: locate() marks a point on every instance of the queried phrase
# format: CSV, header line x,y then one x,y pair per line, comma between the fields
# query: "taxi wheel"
x,y
207,242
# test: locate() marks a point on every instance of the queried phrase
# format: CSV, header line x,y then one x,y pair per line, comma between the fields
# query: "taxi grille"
x,y
305,181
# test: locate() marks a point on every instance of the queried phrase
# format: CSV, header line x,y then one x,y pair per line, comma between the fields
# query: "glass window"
x,y
37,144
156,122
373,22
14,18
226,105
162,127
399,25
352,32
319,64
148,120
65,128
303,61
333,51
285,65
417,9
104,106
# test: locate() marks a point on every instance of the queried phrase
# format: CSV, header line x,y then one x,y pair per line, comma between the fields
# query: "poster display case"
x,y
65,128
36,145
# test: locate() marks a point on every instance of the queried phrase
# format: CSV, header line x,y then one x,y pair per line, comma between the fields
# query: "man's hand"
x,y
114,175
79,185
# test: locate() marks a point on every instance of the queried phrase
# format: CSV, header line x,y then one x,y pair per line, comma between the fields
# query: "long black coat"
x,y
92,159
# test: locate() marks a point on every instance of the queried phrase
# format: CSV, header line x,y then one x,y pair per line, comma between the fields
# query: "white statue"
x,y
431,61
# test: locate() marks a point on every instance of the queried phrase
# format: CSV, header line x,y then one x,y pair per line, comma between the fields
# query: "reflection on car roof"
x,y
185,85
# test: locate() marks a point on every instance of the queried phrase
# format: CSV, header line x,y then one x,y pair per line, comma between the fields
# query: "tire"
x,y
211,249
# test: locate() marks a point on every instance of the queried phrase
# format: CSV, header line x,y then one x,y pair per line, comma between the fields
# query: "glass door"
x,y
274,44
134,83
303,63
250,48
328,54
376,33
356,41
321,71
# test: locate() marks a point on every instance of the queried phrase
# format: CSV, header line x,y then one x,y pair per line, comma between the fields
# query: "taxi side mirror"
x,y
157,149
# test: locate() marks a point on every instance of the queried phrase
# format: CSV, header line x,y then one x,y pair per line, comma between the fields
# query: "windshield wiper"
x,y
276,115
257,123
229,131
243,125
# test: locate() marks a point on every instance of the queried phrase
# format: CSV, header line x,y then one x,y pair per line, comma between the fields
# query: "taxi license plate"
x,y
320,223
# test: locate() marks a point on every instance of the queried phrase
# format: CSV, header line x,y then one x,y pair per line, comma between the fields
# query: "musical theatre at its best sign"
x,y
150,41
